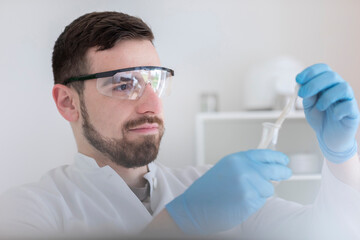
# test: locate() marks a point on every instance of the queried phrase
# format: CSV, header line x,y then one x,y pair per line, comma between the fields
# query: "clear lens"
x,y
131,84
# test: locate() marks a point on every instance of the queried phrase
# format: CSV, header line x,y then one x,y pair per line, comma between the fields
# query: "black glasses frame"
x,y
113,72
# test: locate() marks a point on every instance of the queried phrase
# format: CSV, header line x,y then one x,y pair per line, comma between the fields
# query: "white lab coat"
x,y
83,198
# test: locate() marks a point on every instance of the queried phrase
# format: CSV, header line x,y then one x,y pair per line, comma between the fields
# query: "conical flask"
x,y
269,137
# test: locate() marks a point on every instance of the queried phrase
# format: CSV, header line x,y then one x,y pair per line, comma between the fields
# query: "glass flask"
x,y
269,137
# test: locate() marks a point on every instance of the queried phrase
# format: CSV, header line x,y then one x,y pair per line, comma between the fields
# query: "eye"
x,y
122,86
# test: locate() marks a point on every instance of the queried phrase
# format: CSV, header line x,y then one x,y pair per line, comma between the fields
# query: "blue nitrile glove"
x,y
232,190
331,110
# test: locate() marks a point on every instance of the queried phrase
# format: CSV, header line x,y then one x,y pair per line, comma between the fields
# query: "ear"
x,y
66,102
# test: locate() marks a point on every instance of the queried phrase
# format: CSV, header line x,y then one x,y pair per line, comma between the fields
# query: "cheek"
x,y
108,118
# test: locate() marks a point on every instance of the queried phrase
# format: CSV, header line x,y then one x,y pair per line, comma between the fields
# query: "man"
x,y
108,83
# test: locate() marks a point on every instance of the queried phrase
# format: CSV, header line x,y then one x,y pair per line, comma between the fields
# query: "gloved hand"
x,y
232,190
331,110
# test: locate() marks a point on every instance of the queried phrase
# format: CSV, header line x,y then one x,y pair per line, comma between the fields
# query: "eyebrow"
x,y
123,79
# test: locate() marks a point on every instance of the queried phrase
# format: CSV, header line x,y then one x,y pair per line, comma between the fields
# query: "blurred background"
x,y
214,47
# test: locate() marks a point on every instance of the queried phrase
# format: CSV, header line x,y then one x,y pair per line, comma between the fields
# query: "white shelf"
x,y
222,133
304,177
247,115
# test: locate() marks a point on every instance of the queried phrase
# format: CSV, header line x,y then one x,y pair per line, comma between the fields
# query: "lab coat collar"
x,y
86,163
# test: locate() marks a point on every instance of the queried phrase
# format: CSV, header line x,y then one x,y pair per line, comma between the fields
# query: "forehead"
x,y
129,53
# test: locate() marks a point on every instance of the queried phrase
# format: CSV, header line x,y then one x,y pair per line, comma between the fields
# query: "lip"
x,y
145,128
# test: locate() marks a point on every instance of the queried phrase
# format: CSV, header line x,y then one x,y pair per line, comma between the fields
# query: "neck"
x,y
133,177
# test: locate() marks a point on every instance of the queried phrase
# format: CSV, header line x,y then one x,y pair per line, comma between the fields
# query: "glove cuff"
x,y
337,157
179,212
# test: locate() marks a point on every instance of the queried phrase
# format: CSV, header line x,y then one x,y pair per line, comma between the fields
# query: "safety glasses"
x,y
130,83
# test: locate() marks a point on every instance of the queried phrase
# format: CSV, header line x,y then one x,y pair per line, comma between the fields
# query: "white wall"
x,y
210,44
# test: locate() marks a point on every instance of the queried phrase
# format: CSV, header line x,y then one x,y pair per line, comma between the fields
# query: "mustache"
x,y
145,119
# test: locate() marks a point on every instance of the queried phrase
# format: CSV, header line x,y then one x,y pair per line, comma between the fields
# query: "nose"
x,y
149,102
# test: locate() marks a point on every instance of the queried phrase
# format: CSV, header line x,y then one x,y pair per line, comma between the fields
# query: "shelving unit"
x,y
305,177
221,133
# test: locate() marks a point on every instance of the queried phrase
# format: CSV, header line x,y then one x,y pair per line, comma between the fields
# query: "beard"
x,y
124,152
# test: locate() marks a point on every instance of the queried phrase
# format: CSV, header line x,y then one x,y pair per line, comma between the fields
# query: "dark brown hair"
x,y
98,29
